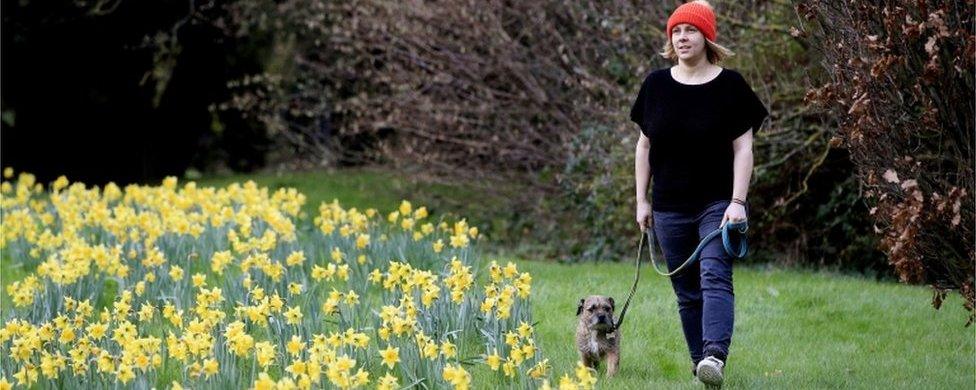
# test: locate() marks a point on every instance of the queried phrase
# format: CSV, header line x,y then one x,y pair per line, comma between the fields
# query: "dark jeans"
x,y
704,290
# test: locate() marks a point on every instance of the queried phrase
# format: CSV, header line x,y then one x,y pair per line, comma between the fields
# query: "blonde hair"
x,y
713,51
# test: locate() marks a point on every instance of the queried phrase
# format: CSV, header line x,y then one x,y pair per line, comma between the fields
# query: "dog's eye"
x,y
607,308
590,309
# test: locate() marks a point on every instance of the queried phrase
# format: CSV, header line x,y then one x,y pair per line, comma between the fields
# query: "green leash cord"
x,y
738,227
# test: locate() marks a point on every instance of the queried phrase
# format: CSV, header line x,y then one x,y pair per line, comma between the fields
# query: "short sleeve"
x,y
749,110
637,111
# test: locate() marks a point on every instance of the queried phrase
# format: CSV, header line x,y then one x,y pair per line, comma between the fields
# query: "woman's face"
x,y
688,41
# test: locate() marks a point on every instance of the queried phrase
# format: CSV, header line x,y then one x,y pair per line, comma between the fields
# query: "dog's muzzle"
x,y
601,323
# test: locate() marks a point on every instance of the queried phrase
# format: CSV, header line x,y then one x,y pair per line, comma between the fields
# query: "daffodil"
x,y
391,356
210,367
294,315
540,370
295,345
387,382
494,361
265,353
524,329
295,258
296,368
294,288
199,280
176,273
264,382
362,241
448,349
585,375
457,376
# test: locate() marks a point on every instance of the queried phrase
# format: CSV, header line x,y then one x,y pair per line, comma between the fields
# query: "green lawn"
x,y
794,329
376,188
363,188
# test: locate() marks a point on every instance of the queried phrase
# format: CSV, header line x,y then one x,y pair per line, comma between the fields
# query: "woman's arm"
x,y
742,165
642,175
742,174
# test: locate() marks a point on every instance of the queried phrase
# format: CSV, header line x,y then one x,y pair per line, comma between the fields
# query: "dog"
x,y
596,337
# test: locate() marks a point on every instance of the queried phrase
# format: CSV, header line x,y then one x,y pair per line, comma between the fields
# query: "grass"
x,y
365,188
361,188
794,328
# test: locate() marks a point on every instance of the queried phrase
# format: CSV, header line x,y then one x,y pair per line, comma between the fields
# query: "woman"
x,y
697,121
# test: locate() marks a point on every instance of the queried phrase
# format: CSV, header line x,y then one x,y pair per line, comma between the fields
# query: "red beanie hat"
x,y
696,13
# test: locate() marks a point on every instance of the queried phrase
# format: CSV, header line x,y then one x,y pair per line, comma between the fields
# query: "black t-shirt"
x,y
691,129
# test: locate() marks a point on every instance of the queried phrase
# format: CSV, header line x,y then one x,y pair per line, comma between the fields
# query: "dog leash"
x,y
633,289
740,227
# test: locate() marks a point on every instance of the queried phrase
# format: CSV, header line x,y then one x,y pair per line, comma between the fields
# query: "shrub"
x,y
901,82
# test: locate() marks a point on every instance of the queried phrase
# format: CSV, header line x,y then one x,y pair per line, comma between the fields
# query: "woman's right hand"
x,y
643,214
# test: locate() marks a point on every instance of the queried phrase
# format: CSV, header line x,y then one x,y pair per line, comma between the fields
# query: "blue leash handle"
x,y
726,231
741,228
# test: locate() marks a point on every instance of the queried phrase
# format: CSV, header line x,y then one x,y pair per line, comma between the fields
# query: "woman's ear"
x,y
579,309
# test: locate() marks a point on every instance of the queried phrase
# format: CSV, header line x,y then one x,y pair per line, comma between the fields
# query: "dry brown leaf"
x,y
891,176
931,46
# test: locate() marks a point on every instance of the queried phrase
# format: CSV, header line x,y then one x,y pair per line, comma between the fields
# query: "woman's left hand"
x,y
734,213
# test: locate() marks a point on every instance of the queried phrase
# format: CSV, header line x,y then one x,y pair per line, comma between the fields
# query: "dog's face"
x,y
596,311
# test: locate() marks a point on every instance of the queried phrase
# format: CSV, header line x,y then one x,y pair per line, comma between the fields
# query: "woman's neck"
x,y
694,67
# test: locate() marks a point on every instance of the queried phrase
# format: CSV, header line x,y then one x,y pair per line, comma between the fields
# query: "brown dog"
x,y
596,337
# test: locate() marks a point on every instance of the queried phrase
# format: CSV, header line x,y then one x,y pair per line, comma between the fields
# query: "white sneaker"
x,y
710,372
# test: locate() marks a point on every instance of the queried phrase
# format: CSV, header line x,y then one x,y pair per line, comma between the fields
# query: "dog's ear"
x,y
613,306
579,309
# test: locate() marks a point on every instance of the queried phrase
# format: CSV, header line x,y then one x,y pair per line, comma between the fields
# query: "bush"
x,y
901,82
594,183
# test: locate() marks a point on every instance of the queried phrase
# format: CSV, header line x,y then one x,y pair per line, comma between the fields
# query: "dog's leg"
x,y
589,360
585,358
613,358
